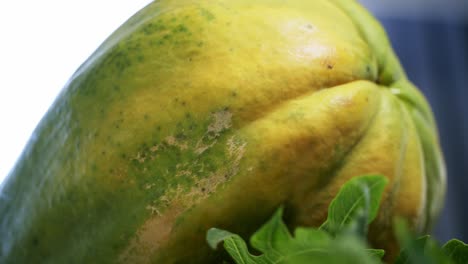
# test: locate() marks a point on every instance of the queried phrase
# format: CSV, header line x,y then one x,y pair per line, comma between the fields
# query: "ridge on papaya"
x,y
195,114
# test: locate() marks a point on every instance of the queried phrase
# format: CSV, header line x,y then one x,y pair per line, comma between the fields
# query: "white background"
x,y
43,42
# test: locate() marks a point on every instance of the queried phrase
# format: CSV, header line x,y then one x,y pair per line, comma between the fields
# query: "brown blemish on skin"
x,y
140,157
154,148
151,236
222,120
236,151
155,232
182,170
202,147
172,141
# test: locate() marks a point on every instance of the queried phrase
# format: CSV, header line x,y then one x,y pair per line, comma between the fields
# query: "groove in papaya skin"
x,y
281,171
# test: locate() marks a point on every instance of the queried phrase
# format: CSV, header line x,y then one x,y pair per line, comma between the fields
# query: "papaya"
x,y
197,114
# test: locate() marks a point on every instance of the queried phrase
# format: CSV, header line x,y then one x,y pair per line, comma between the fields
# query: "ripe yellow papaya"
x,y
199,114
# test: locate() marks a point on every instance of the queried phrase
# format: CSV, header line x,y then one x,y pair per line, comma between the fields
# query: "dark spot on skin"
x,y
180,28
123,156
176,99
234,94
207,14
329,66
183,103
203,189
103,153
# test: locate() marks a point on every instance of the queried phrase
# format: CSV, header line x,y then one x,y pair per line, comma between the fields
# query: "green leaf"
x,y
233,244
214,236
311,237
456,250
414,248
238,250
309,245
378,253
275,241
420,250
352,249
357,203
273,237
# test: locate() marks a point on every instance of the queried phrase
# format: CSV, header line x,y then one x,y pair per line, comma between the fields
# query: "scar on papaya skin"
x,y
172,141
222,120
151,235
156,230
169,140
181,170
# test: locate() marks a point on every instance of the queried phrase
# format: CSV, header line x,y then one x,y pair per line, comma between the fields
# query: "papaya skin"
x,y
200,114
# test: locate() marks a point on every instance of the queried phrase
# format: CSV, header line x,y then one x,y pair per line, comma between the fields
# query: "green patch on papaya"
x,y
207,14
176,173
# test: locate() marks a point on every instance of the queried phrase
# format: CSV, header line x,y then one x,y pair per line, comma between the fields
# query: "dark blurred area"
x,y
431,40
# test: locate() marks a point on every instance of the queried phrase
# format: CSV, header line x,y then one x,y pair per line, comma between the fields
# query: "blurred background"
x,y
431,39
44,42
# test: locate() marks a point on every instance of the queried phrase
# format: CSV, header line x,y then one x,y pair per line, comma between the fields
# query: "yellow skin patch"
x,y
200,114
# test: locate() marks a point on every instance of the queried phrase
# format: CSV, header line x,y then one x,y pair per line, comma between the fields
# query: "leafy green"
x,y
456,250
358,201
379,253
418,250
308,245
341,238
